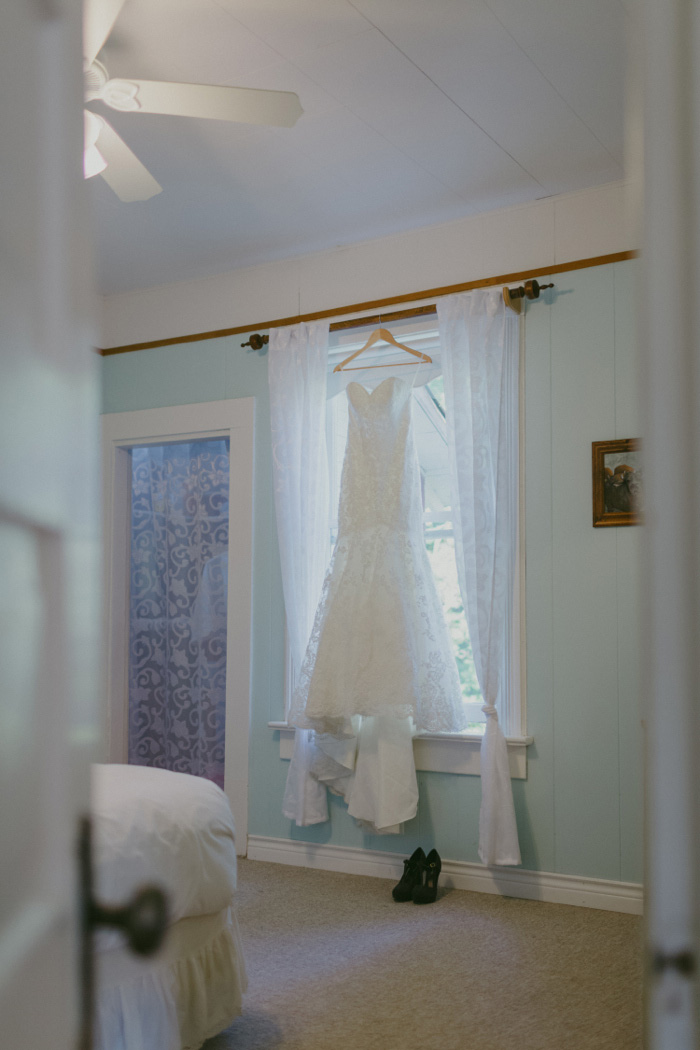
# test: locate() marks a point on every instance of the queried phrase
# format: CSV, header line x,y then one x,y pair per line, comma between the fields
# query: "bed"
x,y
174,830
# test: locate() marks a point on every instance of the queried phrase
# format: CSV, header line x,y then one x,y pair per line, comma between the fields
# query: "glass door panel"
x,y
177,606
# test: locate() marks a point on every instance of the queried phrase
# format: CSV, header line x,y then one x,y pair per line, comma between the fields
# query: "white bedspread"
x,y
171,829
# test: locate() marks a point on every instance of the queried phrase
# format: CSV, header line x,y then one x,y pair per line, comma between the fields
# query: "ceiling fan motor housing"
x,y
95,78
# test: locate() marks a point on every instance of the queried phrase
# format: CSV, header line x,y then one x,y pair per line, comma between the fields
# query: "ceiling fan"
x,y
107,154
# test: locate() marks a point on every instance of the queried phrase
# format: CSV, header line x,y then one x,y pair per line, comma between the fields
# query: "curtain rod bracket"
x,y
513,297
257,341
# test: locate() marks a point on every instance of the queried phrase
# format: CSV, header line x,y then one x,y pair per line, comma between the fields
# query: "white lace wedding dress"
x,y
379,648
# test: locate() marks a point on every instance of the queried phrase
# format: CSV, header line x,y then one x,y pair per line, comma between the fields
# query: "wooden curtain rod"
x,y
257,341
512,297
376,304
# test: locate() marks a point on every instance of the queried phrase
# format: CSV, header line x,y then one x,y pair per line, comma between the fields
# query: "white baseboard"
x,y
580,891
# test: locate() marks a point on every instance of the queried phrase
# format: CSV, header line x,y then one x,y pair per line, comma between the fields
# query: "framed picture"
x,y
618,483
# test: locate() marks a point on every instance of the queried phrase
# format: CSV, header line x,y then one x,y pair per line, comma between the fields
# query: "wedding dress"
x,y
379,647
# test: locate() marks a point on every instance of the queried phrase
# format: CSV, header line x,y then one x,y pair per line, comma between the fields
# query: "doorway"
x,y
177,512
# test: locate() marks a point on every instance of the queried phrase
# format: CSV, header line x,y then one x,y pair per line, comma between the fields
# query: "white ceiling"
x,y
416,112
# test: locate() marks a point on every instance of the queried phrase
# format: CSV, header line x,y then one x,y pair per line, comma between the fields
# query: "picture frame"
x,y
617,483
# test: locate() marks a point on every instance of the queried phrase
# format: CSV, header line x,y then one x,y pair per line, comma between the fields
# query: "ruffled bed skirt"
x,y
190,991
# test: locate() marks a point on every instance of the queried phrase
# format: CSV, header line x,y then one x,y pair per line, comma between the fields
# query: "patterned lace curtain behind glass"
x,y
177,614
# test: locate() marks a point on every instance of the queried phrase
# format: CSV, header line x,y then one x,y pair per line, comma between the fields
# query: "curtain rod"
x,y
257,341
376,304
512,297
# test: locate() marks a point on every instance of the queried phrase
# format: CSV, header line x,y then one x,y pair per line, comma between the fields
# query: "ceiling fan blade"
x,y
125,173
243,105
98,18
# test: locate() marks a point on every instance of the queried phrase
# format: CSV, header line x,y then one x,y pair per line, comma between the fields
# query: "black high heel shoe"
x,y
412,871
426,890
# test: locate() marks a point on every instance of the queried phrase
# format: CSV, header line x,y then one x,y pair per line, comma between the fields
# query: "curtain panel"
x,y
297,377
479,341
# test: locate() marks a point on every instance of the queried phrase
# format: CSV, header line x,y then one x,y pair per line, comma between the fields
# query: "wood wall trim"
x,y
484,282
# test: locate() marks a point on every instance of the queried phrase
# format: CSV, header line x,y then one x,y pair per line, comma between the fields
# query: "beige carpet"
x,y
333,962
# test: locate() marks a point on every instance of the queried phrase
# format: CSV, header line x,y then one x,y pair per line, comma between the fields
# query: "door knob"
x,y
683,962
143,921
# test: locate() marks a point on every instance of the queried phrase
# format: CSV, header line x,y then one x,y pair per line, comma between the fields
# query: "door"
x,y
231,421
49,645
670,332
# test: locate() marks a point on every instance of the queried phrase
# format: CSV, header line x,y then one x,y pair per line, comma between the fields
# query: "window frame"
x,y
460,752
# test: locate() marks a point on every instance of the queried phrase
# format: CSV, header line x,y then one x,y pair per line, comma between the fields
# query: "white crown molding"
x,y
576,890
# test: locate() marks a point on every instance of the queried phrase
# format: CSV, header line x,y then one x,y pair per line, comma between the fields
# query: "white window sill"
x,y
440,752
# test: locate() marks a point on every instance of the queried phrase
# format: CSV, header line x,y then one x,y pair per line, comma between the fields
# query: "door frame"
x,y
232,419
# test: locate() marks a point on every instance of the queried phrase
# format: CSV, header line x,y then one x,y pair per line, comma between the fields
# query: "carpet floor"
x,y
333,961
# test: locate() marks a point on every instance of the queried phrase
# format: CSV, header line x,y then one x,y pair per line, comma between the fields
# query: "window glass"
x,y
431,444
178,605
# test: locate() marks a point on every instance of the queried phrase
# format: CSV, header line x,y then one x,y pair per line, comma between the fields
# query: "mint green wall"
x,y
580,809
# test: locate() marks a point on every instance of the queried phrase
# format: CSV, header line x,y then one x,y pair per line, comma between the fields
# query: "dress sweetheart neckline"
x,y
371,393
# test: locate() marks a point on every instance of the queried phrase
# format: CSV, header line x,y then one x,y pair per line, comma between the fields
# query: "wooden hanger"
x,y
377,334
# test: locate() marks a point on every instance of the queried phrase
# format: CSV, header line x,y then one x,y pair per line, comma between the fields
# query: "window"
x,y
431,441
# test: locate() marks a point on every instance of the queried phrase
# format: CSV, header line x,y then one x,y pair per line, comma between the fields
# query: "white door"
x,y
671,335
49,645
231,419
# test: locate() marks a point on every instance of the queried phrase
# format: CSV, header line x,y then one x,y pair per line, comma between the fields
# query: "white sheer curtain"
x,y
480,350
297,365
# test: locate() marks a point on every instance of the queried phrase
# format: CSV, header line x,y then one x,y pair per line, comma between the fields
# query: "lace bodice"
x,y
380,483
